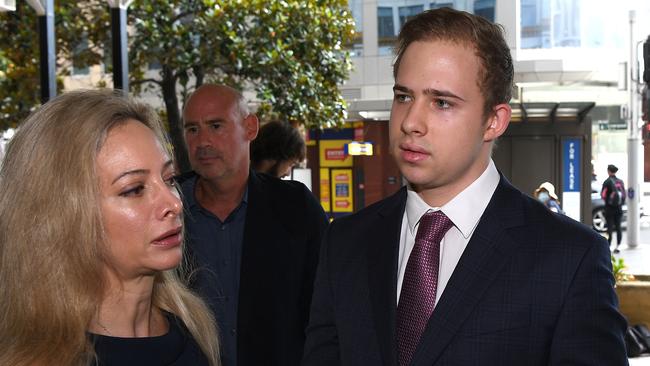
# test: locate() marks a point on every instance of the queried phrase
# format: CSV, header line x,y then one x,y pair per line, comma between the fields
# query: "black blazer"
x,y
531,288
281,242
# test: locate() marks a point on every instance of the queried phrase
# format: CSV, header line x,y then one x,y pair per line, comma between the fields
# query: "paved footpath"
x,y
636,259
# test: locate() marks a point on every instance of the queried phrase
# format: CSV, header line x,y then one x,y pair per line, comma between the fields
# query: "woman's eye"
x,y
135,191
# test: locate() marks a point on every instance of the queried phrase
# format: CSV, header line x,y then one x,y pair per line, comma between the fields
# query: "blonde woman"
x,y
90,236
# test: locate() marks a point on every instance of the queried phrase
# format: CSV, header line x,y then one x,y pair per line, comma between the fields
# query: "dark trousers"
x,y
613,216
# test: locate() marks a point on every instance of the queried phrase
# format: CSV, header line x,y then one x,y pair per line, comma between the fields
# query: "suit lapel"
x,y
488,251
383,245
258,216
256,258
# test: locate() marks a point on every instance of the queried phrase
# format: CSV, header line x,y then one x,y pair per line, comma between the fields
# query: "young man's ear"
x,y
497,122
252,126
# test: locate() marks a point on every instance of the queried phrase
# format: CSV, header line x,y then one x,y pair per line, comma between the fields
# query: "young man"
x,y
277,149
253,238
613,193
459,267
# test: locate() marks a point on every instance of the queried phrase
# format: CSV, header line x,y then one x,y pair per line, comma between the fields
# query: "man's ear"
x,y
252,126
497,122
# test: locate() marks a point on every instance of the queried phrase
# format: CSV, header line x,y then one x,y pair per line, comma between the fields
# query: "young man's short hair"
x,y
486,38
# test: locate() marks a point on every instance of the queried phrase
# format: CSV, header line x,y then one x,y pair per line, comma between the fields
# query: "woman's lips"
x,y
171,238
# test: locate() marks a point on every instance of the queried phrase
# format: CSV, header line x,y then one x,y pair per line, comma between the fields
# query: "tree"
x,y
19,57
290,52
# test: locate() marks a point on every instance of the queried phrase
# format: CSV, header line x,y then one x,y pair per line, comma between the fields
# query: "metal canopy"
x,y
551,112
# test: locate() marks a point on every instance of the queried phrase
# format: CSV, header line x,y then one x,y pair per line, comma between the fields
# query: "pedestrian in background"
x,y
255,238
613,193
277,149
90,238
546,195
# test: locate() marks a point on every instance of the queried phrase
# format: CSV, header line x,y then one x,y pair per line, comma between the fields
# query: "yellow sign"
x,y
325,189
332,153
355,148
342,190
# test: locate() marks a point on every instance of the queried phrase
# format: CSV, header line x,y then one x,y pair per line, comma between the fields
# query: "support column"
x,y
45,11
120,48
633,145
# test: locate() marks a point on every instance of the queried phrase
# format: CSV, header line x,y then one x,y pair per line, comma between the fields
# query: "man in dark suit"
x,y
253,238
459,267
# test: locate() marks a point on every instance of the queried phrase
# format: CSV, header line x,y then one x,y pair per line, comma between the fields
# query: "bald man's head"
x,y
218,131
208,93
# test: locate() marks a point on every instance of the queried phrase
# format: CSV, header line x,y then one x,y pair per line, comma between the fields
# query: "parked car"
x,y
598,220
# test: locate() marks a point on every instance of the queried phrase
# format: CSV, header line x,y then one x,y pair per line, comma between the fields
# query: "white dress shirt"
x,y
464,211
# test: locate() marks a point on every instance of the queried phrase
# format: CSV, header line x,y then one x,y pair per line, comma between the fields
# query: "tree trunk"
x,y
174,119
199,74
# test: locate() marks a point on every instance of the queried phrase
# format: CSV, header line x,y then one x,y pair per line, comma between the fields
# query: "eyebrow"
x,y
428,91
140,171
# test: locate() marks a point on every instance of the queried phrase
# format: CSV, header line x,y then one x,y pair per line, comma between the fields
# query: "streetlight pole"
x,y
120,44
633,145
45,11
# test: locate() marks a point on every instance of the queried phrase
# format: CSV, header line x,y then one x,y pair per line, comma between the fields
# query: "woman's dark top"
x,y
176,348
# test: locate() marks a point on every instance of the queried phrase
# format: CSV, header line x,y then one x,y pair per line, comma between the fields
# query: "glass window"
x,y
549,24
392,14
386,32
441,4
484,8
356,8
154,65
408,12
385,26
77,65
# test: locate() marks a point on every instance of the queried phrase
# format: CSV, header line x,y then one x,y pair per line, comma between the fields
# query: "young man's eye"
x,y
402,98
442,104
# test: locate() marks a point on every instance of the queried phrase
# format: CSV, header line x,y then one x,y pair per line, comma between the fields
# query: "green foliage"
x,y
290,52
19,61
620,270
19,91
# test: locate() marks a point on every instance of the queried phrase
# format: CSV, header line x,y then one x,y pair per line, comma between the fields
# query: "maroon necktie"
x,y
418,295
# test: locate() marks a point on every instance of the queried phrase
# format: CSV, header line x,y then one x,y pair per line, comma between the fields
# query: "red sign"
x,y
358,134
342,203
335,154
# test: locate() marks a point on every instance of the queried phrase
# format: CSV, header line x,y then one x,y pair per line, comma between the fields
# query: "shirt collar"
x,y
464,210
187,191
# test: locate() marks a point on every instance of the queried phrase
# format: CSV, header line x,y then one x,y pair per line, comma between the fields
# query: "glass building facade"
x,y
392,14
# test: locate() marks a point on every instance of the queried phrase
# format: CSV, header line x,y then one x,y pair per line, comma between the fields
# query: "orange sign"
x,y
325,189
332,154
342,190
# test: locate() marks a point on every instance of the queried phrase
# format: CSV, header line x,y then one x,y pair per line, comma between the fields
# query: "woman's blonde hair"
x,y
52,239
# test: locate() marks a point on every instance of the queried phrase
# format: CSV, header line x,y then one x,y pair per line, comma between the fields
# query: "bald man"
x,y
254,238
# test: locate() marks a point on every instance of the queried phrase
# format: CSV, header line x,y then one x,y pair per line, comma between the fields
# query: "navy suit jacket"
x,y
281,241
531,288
